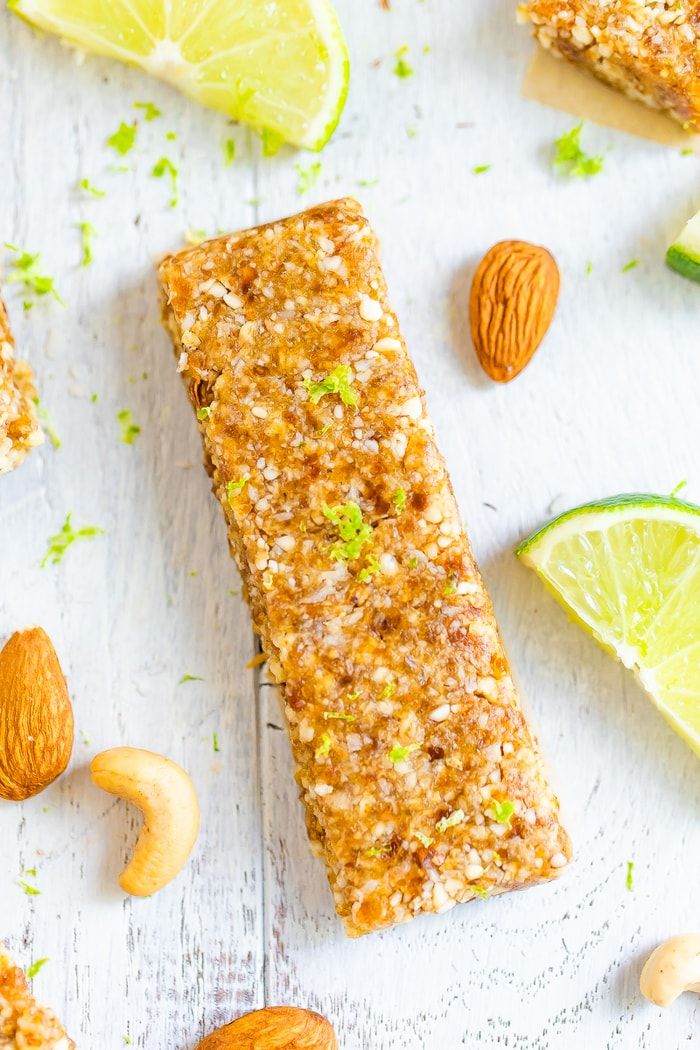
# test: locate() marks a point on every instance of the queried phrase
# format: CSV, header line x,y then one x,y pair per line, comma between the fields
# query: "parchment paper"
x,y
558,83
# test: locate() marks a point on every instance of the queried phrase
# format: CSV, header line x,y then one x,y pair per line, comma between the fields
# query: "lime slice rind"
x,y
627,569
684,254
283,68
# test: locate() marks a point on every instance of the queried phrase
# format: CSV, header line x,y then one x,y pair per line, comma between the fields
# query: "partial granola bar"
x,y
19,426
24,1024
422,783
649,49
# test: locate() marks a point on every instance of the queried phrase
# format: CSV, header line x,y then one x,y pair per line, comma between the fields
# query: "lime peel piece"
x,y
684,254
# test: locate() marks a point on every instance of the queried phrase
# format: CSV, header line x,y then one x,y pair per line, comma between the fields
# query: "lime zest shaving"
x,y
190,678
570,159
399,501
229,152
339,381
31,891
150,110
629,880
130,431
87,187
87,232
123,138
47,424
325,746
61,541
354,533
33,970
402,69
24,270
234,488
370,569
502,812
165,167
399,753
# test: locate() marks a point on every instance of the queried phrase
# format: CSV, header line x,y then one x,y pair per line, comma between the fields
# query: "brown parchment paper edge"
x,y
560,84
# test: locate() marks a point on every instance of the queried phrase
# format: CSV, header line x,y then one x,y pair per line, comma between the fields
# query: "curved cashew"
x,y
672,968
164,793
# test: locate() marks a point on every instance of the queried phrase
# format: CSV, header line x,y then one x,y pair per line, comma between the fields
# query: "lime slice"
x,y
627,569
281,66
684,253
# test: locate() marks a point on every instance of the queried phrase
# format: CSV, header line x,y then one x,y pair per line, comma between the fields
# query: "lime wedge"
x,y
281,66
627,569
684,253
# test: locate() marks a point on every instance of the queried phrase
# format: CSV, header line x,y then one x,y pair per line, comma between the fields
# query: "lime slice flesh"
x,y
627,569
281,65
684,254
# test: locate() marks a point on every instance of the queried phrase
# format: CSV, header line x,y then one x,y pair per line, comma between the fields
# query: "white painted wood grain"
x,y
609,404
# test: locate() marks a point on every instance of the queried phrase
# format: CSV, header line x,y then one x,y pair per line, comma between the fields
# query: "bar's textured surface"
x,y
24,1024
422,784
649,49
19,427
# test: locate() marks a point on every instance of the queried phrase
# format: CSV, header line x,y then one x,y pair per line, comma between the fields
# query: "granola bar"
x,y
19,426
24,1024
422,783
649,49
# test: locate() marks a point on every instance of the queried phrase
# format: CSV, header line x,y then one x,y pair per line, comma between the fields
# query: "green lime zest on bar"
x,y
354,533
339,381
502,811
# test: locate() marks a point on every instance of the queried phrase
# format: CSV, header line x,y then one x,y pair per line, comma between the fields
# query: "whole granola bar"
x,y
422,783
24,1024
19,426
649,49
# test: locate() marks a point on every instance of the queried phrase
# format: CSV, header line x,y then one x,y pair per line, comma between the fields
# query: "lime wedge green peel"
x,y
282,67
627,569
684,253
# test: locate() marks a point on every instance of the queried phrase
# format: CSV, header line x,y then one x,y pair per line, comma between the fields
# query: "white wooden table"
x,y
609,404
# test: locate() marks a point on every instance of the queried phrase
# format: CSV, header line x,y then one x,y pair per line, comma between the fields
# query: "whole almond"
x,y
274,1028
513,298
36,717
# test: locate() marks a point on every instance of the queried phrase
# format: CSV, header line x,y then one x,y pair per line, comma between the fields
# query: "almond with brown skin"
x,y
274,1028
36,717
513,298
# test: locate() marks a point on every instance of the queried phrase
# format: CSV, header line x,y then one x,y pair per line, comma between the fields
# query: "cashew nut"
x,y
672,968
164,793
